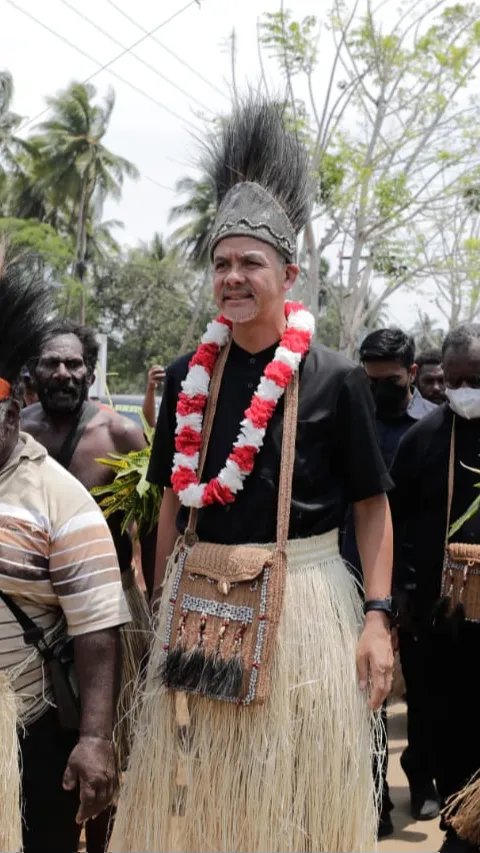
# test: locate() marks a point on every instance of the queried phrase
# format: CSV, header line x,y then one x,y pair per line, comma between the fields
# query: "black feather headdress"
x,y
260,171
24,303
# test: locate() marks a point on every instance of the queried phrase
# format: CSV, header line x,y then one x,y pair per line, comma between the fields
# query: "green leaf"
x,y
472,509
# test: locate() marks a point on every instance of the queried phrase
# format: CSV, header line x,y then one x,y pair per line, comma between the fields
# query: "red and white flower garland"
x,y
192,400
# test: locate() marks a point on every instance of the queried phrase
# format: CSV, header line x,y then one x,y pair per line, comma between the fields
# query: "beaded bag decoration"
x,y
226,600
461,567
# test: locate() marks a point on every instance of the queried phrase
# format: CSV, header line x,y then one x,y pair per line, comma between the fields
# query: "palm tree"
x,y
199,210
8,122
76,167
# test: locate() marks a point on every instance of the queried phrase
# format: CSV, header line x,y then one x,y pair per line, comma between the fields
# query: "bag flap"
x,y
464,551
233,563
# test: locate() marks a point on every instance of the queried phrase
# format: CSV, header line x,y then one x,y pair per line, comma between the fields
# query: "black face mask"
x,y
389,398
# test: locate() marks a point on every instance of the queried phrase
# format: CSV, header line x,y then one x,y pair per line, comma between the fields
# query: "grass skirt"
x,y
294,774
10,785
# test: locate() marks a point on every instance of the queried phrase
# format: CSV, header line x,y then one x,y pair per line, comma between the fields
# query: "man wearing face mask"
x,y
388,357
434,487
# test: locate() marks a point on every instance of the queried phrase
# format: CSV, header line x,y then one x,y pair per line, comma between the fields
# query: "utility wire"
x,y
135,56
169,50
107,65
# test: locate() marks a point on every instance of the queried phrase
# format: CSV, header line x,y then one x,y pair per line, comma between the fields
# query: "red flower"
x,y
296,340
183,477
279,373
292,307
224,321
188,441
187,405
244,457
206,355
215,492
260,411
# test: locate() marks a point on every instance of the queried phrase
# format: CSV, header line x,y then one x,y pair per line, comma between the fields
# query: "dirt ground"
x,y
409,834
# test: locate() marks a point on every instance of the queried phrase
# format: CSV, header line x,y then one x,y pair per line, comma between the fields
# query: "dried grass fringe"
x,y
135,638
463,811
10,780
292,775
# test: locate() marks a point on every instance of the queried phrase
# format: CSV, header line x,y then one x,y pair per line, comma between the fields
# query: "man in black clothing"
x,y
388,357
451,646
430,380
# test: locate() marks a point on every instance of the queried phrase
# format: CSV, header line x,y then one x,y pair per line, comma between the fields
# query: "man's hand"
x,y
375,659
155,376
91,766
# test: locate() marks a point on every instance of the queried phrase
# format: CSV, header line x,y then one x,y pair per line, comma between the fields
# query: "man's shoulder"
x,y
126,435
329,364
435,425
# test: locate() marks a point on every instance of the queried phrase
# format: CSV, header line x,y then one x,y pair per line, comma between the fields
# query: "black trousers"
x,y
453,656
419,754
49,811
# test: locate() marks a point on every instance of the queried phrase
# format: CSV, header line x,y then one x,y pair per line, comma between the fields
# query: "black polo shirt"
x,y
419,499
337,458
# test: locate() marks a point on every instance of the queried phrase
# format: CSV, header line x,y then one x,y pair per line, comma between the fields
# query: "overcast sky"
x,y
153,123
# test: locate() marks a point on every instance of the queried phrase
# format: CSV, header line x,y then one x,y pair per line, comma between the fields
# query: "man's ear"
x,y
413,372
12,417
291,275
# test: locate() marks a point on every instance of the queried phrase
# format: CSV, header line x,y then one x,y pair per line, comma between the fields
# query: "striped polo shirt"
x,y
57,560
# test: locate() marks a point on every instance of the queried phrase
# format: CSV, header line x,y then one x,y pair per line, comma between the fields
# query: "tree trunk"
x,y
200,301
81,248
313,271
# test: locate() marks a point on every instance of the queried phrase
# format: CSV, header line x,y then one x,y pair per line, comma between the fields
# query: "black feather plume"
x,y
24,305
254,144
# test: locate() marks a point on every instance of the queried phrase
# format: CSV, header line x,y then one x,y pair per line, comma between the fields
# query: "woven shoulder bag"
x,y
461,566
226,600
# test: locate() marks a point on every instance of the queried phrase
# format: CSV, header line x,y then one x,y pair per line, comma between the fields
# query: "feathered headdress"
x,y
24,303
261,176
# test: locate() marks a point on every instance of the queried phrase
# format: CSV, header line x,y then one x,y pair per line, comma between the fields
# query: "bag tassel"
x,y
10,779
463,811
134,642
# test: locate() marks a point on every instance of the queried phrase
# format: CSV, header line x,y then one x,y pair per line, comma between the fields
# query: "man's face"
x,y
431,384
250,279
61,375
390,383
461,366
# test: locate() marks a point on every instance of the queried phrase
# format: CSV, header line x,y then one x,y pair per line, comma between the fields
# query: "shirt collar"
x,y
26,448
418,406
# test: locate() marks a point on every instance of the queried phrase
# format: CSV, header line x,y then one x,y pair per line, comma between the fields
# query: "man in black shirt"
x,y
450,645
430,380
293,773
388,356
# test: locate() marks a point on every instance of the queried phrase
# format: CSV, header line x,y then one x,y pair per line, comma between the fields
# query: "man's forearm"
x,y
149,407
97,664
373,530
166,538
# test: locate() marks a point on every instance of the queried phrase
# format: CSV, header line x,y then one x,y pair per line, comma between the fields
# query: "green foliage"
x,y
472,509
130,492
291,42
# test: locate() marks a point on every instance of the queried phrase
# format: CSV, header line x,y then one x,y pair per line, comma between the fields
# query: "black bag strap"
x,y
69,446
33,634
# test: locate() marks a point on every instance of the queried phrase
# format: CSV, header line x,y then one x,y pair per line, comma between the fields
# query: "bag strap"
x,y
451,478
287,456
33,634
69,446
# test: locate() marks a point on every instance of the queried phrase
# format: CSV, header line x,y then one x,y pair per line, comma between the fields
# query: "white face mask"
x,y
465,402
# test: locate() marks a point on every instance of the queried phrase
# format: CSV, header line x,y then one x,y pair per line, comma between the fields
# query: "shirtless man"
x,y
76,432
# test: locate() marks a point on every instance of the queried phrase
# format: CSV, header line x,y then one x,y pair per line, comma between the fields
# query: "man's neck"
x,y
62,420
257,336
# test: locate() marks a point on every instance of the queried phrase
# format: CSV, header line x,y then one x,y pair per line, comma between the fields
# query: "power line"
x,y
162,186
171,52
138,58
107,65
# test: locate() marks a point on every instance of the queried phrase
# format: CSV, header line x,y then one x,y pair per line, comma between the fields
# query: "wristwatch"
x,y
384,605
